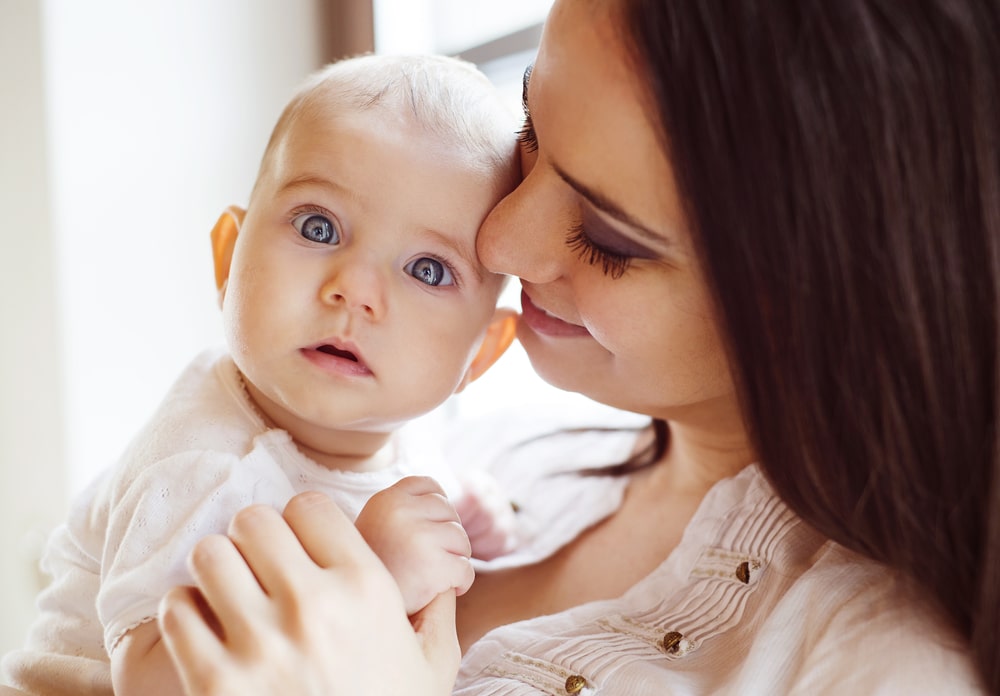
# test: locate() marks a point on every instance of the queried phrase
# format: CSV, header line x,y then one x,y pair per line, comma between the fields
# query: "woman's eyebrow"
x,y
597,200
611,208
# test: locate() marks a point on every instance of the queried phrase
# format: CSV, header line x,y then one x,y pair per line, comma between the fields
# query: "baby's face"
x,y
356,300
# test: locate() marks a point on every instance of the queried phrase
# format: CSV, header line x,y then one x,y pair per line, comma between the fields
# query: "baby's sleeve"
x,y
159,513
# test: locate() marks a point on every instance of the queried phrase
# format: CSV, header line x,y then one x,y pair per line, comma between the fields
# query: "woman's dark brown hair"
x,y
840,164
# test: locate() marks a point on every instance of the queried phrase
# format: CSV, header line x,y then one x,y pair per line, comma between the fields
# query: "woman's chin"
x,y
561,364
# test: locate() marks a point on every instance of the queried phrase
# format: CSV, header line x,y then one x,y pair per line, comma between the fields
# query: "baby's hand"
x,y
487,515
420,539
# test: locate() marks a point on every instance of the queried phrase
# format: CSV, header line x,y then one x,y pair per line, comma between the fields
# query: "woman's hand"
x,y
301,605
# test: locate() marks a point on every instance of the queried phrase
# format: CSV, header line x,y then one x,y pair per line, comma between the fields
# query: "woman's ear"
x,y
499,335
223,240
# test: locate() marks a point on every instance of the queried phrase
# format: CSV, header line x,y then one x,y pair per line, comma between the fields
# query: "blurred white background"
x,y
127,128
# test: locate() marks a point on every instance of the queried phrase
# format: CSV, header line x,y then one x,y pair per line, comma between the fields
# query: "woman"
x,y
775,229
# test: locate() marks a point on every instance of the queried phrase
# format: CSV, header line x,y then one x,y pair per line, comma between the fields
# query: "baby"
x,y
353,301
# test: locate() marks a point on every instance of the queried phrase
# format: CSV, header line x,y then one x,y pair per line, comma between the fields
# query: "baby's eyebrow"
x,y
311,180
466,252
463,251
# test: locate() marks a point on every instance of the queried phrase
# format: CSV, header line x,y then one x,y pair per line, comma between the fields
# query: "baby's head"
x,y
447,99
352,295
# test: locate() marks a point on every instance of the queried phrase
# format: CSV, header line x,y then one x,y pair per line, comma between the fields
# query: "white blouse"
x,y
752,601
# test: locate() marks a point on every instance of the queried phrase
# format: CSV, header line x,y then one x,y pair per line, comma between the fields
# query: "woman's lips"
x,y
543,323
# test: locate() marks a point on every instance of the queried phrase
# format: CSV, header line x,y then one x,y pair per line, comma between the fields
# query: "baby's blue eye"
x,y
317,228
430,271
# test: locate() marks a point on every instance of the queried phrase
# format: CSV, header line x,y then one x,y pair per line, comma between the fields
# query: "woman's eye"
x,y
613,263
526,135
430,271
317,228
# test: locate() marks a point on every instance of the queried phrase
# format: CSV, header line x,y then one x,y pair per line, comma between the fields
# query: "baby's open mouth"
x,y
332,350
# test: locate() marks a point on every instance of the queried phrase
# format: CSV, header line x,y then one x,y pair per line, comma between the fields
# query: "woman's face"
x,y
614,303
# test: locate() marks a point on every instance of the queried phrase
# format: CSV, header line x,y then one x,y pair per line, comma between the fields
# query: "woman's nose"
x,y
522,235
356,286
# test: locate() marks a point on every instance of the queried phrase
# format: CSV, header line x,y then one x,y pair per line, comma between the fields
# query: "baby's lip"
x,y
339,348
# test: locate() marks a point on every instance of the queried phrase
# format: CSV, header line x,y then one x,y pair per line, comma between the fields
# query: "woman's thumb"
x,y
435,628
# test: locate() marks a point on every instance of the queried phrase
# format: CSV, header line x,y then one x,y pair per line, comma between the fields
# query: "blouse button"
x,y
743,572
671,641
575,684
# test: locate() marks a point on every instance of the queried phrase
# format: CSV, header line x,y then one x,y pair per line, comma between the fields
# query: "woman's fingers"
x,y
270,548
325,532
228,586
315,634
435,628
187,629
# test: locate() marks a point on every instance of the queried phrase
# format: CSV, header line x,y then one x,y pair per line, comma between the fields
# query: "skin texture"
x,y
286,295
648,341
634,329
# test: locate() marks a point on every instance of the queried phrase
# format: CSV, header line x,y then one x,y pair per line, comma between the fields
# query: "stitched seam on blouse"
x,y
710,601
714,601
131,627
722,564
706,609
727,601
652,639
541,674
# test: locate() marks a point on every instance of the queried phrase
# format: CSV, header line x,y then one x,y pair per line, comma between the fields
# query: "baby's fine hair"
x,y
448,97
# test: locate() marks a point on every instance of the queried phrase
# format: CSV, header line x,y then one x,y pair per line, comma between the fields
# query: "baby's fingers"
x,y
463,573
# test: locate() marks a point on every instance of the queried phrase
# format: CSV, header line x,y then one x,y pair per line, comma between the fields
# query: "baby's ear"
x,y
499,335
223,240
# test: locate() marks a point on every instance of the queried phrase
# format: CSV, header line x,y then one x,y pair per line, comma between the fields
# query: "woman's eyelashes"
x,y
316,227
613,263
526,135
